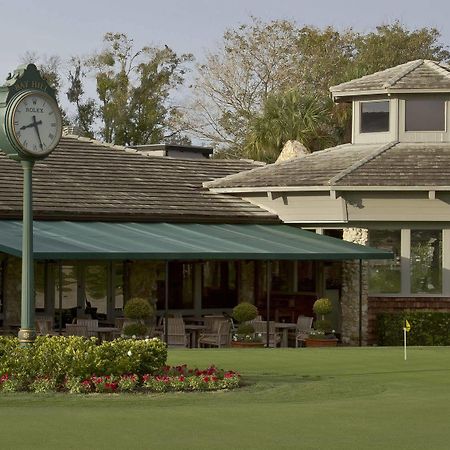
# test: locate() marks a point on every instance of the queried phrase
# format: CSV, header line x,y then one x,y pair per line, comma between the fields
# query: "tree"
x,y
259,59
289,116
133,89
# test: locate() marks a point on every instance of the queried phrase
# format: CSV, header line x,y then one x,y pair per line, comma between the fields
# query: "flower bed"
x,y
179,378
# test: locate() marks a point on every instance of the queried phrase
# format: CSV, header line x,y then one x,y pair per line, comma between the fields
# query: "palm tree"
x,y
290,115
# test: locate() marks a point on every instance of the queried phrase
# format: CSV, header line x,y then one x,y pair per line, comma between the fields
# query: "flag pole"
x,y
404,341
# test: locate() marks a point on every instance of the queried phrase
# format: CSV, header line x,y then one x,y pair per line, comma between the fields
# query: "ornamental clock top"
x,y
30,119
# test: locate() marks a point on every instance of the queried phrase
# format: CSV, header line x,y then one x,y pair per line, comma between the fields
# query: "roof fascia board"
x,y
337,95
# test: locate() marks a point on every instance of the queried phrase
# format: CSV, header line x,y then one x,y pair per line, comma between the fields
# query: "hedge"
x,y
58,357
427,328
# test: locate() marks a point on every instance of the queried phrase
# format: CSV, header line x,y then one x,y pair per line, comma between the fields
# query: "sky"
x,y
66,29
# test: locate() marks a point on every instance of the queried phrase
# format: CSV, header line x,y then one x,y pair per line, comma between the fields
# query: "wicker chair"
x,y
75,329
220,337
304,327
90,324
44,326
261,329
176,333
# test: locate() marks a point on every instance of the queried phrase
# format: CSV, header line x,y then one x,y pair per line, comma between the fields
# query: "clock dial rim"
x,y
15,102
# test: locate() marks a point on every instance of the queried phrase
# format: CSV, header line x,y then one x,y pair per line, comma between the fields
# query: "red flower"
x,y
206,379
145,377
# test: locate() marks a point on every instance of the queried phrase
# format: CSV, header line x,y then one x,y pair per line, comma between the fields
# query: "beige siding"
x,y
298,207
397,206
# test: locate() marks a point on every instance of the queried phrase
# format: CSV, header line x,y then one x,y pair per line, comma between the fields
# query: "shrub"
x,y
138,308
62,358
322,325
322,306
244,312
427,328
135,329
245,328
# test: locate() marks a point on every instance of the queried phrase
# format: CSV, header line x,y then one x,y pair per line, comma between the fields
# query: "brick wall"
x,y
398,304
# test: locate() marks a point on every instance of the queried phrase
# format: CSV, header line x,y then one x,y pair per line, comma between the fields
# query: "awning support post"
x,y
166,305
269,287
360,303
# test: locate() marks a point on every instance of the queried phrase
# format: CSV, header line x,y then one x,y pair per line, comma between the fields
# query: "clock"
x,y
33,123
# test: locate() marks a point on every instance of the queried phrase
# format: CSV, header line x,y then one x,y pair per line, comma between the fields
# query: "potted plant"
x,y
137,311
245,333
323,334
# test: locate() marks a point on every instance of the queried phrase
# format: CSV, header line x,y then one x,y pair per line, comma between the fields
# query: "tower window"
x,y
374,117
426,114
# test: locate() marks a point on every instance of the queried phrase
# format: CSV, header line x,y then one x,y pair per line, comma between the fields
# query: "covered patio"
x,y
60,241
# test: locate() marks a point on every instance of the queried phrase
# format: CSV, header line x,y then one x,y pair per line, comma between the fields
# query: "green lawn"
x,y
344,398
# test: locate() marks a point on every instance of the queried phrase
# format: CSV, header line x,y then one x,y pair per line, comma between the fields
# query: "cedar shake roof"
x,y
421,75
87,180
394,164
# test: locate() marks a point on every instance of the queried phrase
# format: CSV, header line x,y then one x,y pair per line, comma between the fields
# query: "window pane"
x,y
96,289
425,115
283,276
219,284
118,286
374,117
181,285
426,261
385,275
306,276
39,285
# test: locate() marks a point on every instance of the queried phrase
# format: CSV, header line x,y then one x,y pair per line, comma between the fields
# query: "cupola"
x,y
406,103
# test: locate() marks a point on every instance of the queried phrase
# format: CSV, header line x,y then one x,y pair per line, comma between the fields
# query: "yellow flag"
x,y
407,326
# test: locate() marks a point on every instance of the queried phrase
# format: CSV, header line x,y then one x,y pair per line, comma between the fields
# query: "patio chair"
x,y
218,338
44,326
75,329
304,327
176,333
91,325
261,329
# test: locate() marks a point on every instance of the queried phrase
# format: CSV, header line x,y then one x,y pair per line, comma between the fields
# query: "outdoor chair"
x,y
220,337
212,323
44,326
302,330
75,329
261,330
90,324
176,333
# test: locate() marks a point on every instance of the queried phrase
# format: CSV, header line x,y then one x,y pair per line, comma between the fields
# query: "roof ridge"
x,y
410,66
442,68
361,162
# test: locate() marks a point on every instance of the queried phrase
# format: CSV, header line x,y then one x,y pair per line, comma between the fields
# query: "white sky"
x,y
76,27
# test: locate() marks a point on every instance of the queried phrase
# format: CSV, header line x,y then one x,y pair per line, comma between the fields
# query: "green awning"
x,y
183,241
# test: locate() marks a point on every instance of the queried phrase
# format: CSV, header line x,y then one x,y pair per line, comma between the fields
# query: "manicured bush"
x,y
244,312
56,359
427,328
322,306
135,329
138,308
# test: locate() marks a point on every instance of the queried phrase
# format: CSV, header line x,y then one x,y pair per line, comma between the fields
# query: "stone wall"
x,y
350,292
394,305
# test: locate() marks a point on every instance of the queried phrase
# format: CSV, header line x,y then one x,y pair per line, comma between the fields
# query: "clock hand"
x,y
35,125
32,124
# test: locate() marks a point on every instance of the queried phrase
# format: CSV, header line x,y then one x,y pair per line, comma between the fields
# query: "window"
x,y
118,285
39,285
385,275
181,285
306,276
374,117
425,114
283,276
96,278
219,284
426,261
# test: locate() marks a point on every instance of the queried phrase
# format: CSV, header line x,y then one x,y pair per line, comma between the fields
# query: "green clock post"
x,y
30,129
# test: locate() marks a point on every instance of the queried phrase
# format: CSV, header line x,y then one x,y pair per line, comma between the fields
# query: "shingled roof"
x,y
393,164
87,180
421,75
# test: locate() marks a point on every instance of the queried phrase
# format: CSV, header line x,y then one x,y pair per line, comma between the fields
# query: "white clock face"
x,y
36,123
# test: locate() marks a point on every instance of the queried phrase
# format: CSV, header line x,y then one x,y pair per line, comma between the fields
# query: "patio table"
x,y
193,331
285,327
106,333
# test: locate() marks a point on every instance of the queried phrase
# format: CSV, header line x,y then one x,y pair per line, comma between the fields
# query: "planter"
x,y
321,342
240,344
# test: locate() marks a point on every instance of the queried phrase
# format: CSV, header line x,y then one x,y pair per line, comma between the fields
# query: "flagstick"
x,y
404,341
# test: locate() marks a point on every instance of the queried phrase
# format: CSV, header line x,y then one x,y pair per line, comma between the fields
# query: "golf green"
x,y
340,398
